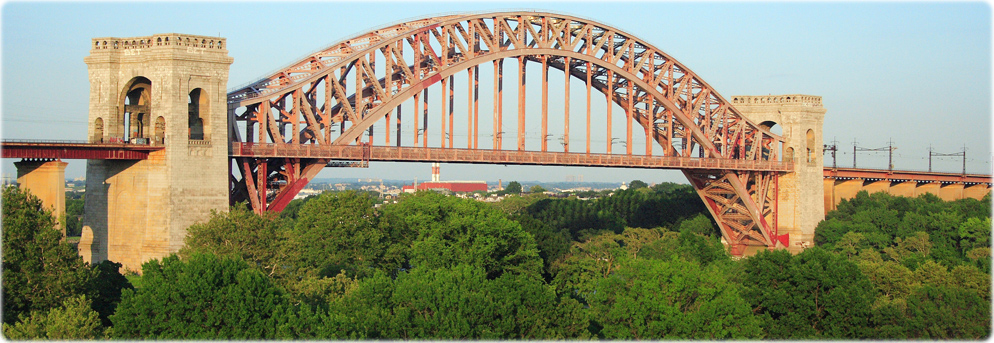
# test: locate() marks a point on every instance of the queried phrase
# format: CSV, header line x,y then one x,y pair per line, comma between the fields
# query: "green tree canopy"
x,y
815,294
513,187
654,299
72,320
943,312
205,297
636,184
452,231
458,303
909,230
239,232
40,271
74,215
339,231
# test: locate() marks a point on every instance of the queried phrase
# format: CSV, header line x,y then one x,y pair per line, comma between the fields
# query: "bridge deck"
x,y
904,175
69,150
412,154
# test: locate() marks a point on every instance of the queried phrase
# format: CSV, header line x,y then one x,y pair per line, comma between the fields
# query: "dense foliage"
x,y
205,297
641,263
929,262
74,214
663,205
47,287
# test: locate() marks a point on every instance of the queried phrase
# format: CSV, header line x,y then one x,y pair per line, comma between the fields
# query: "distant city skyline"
x,y
918,74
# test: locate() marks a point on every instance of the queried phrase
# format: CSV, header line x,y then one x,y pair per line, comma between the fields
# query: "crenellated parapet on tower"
x,y
167,90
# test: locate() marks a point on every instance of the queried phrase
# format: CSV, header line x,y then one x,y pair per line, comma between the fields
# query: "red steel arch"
x,y
343,84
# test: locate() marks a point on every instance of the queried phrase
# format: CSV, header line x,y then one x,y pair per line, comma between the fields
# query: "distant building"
x,y
452,186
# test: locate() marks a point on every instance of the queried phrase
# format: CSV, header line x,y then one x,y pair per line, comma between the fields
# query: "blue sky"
x,y
915,73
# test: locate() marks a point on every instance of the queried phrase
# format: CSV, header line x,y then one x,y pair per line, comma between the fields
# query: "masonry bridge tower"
x,y
801,192
166,90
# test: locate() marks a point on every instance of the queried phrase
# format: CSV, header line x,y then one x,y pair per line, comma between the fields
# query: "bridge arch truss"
x,y
331,101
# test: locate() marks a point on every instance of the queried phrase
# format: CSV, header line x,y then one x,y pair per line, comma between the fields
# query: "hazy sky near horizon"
x,y
916,73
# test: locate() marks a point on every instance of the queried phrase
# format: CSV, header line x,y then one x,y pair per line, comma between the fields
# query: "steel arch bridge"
x,y
344,103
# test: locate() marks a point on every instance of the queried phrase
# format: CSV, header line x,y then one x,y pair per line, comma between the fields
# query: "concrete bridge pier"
x,y
168,90
46,179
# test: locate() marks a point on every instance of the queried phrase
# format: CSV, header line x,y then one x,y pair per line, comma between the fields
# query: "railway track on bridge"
x,y
451,155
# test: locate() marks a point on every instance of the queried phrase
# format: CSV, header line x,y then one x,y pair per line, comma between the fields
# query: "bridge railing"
x,y
46,141
73,149
413,154
905,175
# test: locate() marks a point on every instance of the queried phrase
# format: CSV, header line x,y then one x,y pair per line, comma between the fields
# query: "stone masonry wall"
x,y
136,211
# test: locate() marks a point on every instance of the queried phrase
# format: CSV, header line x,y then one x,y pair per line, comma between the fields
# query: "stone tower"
x,y
167,90
801,197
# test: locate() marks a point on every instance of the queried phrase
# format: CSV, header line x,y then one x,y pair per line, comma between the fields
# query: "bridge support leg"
x,y
47,181
287,175
744,206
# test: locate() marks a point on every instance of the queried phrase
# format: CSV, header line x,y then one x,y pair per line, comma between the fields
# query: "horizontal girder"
x,y
75,150
453,155
904,176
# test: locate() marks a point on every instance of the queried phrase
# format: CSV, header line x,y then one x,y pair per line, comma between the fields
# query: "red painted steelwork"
x,y
732,158
75,150
282,199
416,154
899,175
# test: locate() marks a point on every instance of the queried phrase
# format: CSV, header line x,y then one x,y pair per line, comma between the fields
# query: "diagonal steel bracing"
x,y
350,92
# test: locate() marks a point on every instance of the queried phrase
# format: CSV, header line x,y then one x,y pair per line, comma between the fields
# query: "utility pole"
x,y
890,154
890,157
964,158
961,153
854,153
833,148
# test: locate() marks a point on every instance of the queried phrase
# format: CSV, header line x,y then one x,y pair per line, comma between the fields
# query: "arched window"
x,y
197,105
811,145
98,131
788,155
160,130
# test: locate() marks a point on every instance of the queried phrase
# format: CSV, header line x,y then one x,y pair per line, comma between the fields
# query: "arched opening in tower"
x,y
196,104
772,126
136,110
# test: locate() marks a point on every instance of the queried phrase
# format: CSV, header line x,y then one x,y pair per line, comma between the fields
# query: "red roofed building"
x,y
454,186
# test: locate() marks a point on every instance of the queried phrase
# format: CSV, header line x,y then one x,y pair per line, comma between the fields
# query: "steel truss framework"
x,y
335,96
